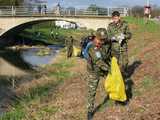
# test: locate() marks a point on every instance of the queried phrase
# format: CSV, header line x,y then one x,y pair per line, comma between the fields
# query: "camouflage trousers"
x,y
123,62
69,51
93,80
121,53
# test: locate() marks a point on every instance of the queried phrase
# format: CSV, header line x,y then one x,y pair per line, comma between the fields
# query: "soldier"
x,y
69,45
118,32
97,65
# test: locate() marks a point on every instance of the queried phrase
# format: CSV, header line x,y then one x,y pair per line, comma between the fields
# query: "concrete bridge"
x,y
10,23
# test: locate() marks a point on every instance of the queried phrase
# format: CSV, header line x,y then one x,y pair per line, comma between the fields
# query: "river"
x,y
31,57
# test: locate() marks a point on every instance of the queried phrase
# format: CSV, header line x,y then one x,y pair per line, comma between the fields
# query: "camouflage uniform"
x,y
98,65
69,45
120,51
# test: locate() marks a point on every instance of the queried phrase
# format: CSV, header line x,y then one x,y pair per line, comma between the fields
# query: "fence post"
x,y
124,12
75,12
108,12
12,11
69,12
96,12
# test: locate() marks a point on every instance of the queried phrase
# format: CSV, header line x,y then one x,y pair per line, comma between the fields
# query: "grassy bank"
x,y
31,97
141,25
51,34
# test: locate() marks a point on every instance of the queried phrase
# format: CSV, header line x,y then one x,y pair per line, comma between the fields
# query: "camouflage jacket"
x,y
115,29
99,59
69,42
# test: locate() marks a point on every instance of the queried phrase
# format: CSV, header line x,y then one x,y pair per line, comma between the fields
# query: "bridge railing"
x,y
42,11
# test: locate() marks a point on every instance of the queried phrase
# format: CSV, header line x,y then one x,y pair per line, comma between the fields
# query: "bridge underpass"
x,y
9,23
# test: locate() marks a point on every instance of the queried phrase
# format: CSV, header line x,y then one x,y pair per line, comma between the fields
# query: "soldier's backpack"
x,y
85,51
84,42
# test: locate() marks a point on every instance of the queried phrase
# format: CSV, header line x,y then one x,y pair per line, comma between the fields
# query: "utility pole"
x,y
148,3
147,11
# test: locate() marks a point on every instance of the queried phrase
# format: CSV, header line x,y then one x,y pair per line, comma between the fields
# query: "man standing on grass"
x,y
119,34
69,45
97,65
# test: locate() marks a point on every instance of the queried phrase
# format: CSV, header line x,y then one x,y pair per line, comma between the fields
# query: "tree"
x,y
71,10
155,11
137,11
102,11
93,7
99,10
11,2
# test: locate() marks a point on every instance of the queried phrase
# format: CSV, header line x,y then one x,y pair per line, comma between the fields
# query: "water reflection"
x,y
30,55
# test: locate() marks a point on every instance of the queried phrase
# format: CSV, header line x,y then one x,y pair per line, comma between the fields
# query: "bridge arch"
x,y
21,26
10,23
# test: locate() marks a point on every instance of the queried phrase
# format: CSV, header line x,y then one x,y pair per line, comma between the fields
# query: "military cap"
x,y
101,33
115,13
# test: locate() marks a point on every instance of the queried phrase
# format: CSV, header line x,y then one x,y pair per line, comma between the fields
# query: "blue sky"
x,y
104,3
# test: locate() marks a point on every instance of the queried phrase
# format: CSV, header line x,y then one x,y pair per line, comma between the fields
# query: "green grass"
x,y
107,104
47,110
137,92
63,64
61,75
147,82
142,34
46,36
139,110
61,70
35,94
15,114
41,92
50,109
150,26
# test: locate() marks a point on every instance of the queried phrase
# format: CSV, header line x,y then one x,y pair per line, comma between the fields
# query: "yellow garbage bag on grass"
x,y
114,84
76,51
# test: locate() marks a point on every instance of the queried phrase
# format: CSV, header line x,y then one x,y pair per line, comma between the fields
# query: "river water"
x,y
31,57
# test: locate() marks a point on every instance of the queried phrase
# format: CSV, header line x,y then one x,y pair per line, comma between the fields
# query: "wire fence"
x,y
43,11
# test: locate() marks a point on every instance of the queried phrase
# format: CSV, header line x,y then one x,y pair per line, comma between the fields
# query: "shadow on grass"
x,y
128,81
133,67
7,93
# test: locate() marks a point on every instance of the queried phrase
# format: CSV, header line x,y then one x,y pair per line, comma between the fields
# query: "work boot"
x,y
89,116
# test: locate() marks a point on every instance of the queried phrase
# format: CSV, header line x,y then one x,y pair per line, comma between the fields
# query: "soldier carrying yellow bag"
x,y
119,33
98,64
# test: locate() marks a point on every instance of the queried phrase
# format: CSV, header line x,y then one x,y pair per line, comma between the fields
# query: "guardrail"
x,y
43,11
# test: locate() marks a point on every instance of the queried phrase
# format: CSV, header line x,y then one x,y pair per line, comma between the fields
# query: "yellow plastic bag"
x,y
76,51
114,84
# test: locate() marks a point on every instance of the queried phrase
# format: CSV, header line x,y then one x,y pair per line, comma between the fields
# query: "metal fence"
x,y
36,11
